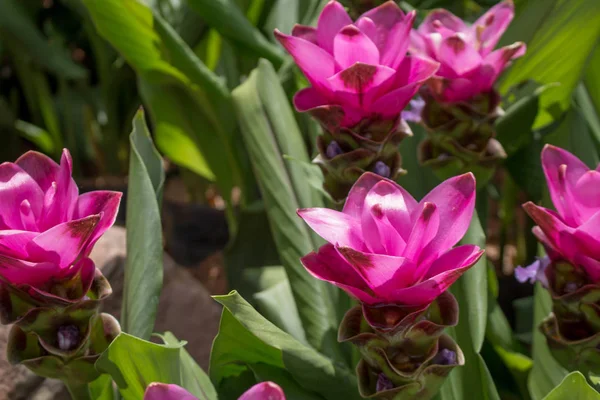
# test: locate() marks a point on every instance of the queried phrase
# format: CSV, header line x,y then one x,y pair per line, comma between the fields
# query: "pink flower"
x,y
46,228
260,391
357,70
572,233
385,247
469,64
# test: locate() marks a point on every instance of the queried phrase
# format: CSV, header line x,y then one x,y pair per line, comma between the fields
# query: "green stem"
x,y
78,391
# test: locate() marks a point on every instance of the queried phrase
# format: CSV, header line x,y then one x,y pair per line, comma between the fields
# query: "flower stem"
x,y
78,391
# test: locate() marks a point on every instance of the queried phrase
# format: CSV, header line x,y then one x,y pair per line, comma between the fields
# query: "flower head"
x,y
572,233
468,63
260,391
385,247
357,70
46,228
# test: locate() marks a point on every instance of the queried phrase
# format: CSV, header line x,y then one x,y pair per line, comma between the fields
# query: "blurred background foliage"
x,y
74,72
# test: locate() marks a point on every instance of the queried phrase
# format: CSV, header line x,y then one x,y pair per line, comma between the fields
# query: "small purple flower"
x,y
333,149
68,337
381,169
445,357
414,110
383,383
534,272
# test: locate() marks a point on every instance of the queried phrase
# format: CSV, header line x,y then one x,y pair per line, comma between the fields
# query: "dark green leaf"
x,y
549,28
144,267
134,363
247,338
269,131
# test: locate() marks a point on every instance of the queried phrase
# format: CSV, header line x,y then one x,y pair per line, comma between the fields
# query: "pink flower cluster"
x,y
47,229
387,248
469,65
260,391
572,232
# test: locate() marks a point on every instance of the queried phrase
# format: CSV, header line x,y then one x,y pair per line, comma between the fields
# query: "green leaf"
x,y
247,339
419,180
473,380
548,27
270,130
291,388
573,387
193,377
547,372
144,267
17,28
102,388
134,363
36,135
229,21
190,106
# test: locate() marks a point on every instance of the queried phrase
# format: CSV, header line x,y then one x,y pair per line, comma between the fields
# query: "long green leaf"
x,y
190,106
247,338
561,36
269,131
547,372
144,267
229,21
573,387
19,29
134,363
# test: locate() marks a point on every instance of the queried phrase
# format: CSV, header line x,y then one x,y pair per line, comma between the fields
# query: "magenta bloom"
x,y
572,233
46,228
260,391
385,247
469,65
357,70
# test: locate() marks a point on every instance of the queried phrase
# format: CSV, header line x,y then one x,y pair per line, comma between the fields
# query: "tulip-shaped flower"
x,y
46,228
260,391
395,256
461,104
360,81
49,289
387,248
571,237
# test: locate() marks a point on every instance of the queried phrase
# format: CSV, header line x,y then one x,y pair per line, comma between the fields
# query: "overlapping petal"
x,y
469,66
384,247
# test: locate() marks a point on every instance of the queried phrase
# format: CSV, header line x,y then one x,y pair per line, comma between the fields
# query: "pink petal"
x,y
587,194
315,63
382,211
550,248
40,167
19,272
164,391
458,257
309,98
455,201
16,187
561,180
445,18
359,85
551,225
368,27
351,46
500,58
398,42
335,227
384,18
588,235
490,27
102,202
332,19
60,199
264,391
418,45
458,56
384,274
590,265
307,33
423,231
453,90
327,265
356,198
410,74
64,243
13,243
428,290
